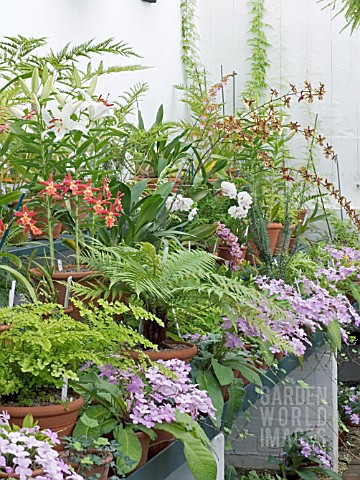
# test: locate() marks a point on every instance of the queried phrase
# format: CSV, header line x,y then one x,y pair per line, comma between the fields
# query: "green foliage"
x,y
109,415
259,45
197,447
231,474
351,9
168,284
294,462
43,346
190,38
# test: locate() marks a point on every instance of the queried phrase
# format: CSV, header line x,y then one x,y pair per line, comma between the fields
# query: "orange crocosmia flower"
x,y
98,204
51,188
74,186
110,216
88,191
35,230
106,190
25,217
117,203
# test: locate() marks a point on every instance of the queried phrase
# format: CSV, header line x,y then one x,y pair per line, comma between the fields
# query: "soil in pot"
x,y
59,418
169,350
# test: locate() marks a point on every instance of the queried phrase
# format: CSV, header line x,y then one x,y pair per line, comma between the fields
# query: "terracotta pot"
x,y
152,181
279,245
102,470
274,231
144,441
225,253
279,356
69,271
163,439
36,473
186,354
3,328
225,388
176,182
55,417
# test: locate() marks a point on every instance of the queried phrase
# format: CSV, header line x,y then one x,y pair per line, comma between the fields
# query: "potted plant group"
x,y
42,350
305,455
132,404
26,451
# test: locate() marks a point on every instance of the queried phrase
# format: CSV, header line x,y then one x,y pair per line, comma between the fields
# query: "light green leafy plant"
x,y
43,346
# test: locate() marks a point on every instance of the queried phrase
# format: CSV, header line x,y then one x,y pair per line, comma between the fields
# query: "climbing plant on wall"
x,y
190,47
258,43
351,9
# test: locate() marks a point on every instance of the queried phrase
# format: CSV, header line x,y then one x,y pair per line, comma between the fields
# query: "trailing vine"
x,y
190,47
259,62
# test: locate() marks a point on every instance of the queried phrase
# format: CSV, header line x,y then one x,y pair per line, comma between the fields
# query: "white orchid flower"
x,y
60,121
238,212
228,189
244,199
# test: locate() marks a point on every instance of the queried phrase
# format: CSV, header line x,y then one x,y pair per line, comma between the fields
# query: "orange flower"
x,y
88,191
110,216
117,202
98,204
25,218
74,186
51,187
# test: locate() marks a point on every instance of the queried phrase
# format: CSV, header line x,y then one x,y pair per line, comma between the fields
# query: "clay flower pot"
x,y
145,442
225,253
163,439
102,471
186,353
59,418
274,232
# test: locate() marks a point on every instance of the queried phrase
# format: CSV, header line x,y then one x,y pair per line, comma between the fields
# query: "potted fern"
x,y
42,350
167,285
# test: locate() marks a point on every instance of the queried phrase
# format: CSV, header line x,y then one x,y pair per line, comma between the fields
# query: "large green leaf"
x,y
200,461
129,449
20,278
199,458
9,197
148,212
250,375
223,374
208,382
334,334
201,232
236,395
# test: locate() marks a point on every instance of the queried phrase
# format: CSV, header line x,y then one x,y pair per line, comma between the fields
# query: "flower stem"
x,y
50,231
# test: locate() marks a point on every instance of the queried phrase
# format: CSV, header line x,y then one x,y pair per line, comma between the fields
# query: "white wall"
x,y
306,44
153,30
